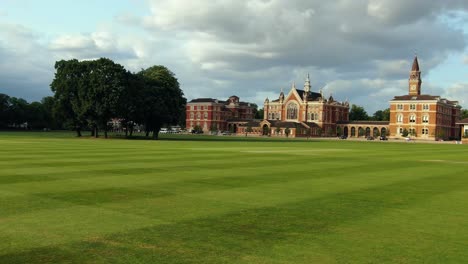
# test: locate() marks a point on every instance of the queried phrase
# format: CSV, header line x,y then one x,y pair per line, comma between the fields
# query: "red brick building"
x,y
423,116
214,114
300,113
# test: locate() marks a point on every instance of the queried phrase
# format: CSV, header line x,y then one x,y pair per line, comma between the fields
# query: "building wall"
x,y
432,119
208,114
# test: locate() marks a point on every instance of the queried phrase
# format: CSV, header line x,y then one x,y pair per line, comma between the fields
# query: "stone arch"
x,y
375,132
345,131
368,131
353,131
383,131
361,132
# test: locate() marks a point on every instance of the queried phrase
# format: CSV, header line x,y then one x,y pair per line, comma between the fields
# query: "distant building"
x,y
214,114
423,116
301,113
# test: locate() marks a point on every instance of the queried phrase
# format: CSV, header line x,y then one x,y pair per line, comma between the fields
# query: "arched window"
x,y
425,119
399,118
412,119
292,111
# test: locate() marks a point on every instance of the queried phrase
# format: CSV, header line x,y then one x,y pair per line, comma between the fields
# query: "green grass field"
x,y
70,200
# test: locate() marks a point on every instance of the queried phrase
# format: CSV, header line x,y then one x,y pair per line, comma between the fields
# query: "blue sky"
x,y
359,50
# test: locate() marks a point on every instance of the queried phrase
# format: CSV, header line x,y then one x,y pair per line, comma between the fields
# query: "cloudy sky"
x,y
360,50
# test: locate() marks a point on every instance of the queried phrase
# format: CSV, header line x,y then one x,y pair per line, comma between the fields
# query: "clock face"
x,y
413,87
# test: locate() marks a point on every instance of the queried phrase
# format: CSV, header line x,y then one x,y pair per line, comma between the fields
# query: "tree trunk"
x,y
155,134
126,129
78,132
96,131
105,133
131,130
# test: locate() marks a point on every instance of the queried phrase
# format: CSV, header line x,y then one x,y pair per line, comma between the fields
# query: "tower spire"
x,y
415,78
415,63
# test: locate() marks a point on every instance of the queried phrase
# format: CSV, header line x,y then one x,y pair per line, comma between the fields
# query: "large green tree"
x,y
67,85
163,101
464,114
381,115
4,110
357,113
106,84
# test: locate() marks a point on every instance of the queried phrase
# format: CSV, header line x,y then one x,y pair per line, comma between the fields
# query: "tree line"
x,y
15,113
88,94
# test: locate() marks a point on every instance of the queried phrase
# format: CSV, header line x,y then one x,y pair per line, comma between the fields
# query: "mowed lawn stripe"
x,y
246,234
167,212
234,201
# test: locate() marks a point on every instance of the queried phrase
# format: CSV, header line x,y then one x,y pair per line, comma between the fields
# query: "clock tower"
x,y
415,79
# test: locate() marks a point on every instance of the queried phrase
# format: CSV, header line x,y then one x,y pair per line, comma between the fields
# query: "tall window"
x,y
399,118
425,119
412,107
292,111
412,119
425,107
399,106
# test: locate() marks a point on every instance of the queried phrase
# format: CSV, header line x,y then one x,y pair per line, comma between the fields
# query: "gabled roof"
x,y
313,96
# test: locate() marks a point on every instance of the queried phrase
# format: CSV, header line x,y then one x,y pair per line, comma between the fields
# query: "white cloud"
x,y
361,50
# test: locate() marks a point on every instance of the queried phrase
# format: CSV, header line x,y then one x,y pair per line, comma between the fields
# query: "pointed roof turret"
x,y
415,64
307,84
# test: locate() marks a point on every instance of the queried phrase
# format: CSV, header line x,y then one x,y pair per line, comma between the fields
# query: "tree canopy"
x,y
91,93
357,113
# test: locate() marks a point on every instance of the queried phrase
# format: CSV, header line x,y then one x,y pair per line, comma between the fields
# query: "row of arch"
x,y
362,131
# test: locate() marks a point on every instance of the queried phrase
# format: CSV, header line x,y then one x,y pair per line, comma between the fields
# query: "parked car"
x,y
343,137
163,131
370,138
226,133
383,138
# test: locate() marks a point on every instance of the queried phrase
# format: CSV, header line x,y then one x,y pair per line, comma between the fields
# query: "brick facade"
x,y
211,113
423,116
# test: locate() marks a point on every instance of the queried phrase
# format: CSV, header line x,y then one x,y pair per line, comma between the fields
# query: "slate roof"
x,y
313,96
206,100
463,121
415,97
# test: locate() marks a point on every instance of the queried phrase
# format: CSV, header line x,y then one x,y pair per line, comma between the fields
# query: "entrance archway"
x,y
353,131
345,131
265,130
